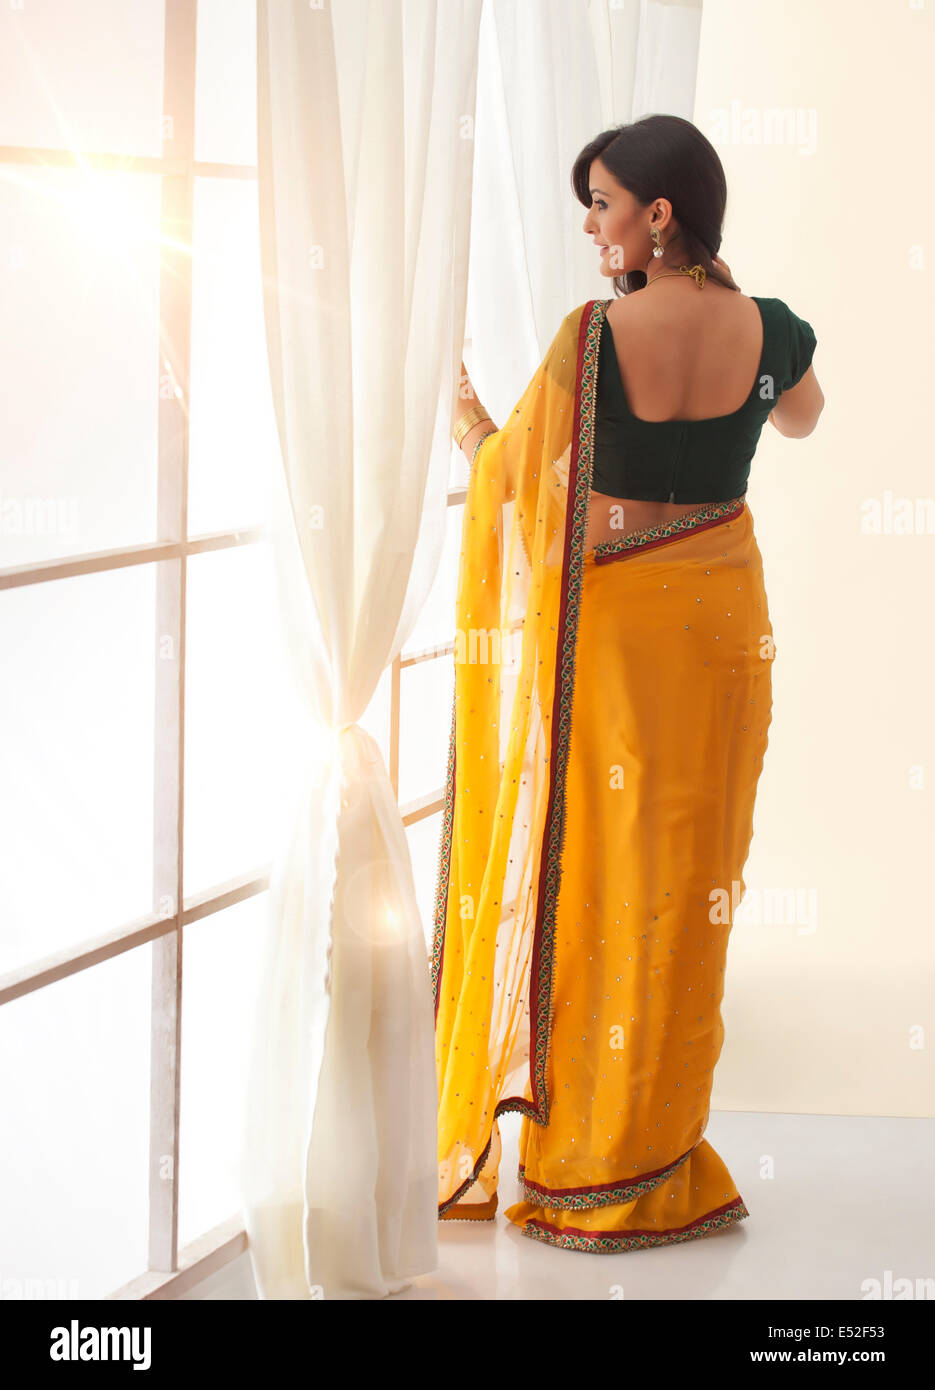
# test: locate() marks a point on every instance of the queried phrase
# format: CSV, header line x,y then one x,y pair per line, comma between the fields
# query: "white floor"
x,y
833,1201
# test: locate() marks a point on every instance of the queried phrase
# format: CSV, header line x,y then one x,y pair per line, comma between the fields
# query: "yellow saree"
x,y
609,726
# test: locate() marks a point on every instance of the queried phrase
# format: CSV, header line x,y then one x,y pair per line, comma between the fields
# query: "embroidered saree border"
x,y
486,1211
444,858
579,488
706,515
469,1182
608,1194
610,1242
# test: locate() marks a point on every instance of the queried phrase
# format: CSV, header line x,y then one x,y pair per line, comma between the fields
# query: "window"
x,y
138,810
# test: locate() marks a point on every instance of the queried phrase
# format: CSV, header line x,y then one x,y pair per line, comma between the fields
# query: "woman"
x,y
612,703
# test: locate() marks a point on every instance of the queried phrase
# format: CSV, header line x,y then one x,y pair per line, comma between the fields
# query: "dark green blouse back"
x,y
694,460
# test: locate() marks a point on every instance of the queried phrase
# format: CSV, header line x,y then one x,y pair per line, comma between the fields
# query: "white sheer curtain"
x,y
364,198
367,150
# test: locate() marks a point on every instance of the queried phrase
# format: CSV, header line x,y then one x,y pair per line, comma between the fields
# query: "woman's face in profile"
x,y
616,222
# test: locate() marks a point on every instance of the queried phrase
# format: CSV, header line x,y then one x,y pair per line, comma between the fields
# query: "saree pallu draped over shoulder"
x,y
609,727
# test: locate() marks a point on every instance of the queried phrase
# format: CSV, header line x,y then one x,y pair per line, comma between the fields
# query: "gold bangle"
x,y
467,421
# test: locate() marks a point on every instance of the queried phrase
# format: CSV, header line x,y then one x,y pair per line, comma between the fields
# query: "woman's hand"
x,y
465,398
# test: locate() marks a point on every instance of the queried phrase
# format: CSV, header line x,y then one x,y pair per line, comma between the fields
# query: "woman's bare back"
x,y
683,354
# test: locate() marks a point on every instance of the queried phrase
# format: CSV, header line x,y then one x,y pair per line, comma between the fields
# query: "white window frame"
x,y
171,1271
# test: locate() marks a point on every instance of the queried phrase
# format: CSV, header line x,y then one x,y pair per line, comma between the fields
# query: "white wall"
x,y
839,221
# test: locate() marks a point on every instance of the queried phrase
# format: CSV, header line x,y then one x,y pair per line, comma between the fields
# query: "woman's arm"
x,y
796,412
465,400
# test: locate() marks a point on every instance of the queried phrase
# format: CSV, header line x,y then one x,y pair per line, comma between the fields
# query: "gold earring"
x,y
657,249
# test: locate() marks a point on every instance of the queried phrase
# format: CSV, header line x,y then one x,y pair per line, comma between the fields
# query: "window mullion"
x,y
173,382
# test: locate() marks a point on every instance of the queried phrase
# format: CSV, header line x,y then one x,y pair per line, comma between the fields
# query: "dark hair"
x,y
664,157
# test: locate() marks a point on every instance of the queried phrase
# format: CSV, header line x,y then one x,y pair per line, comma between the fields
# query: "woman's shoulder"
x,y
794,337
799,333
651,314
778,308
